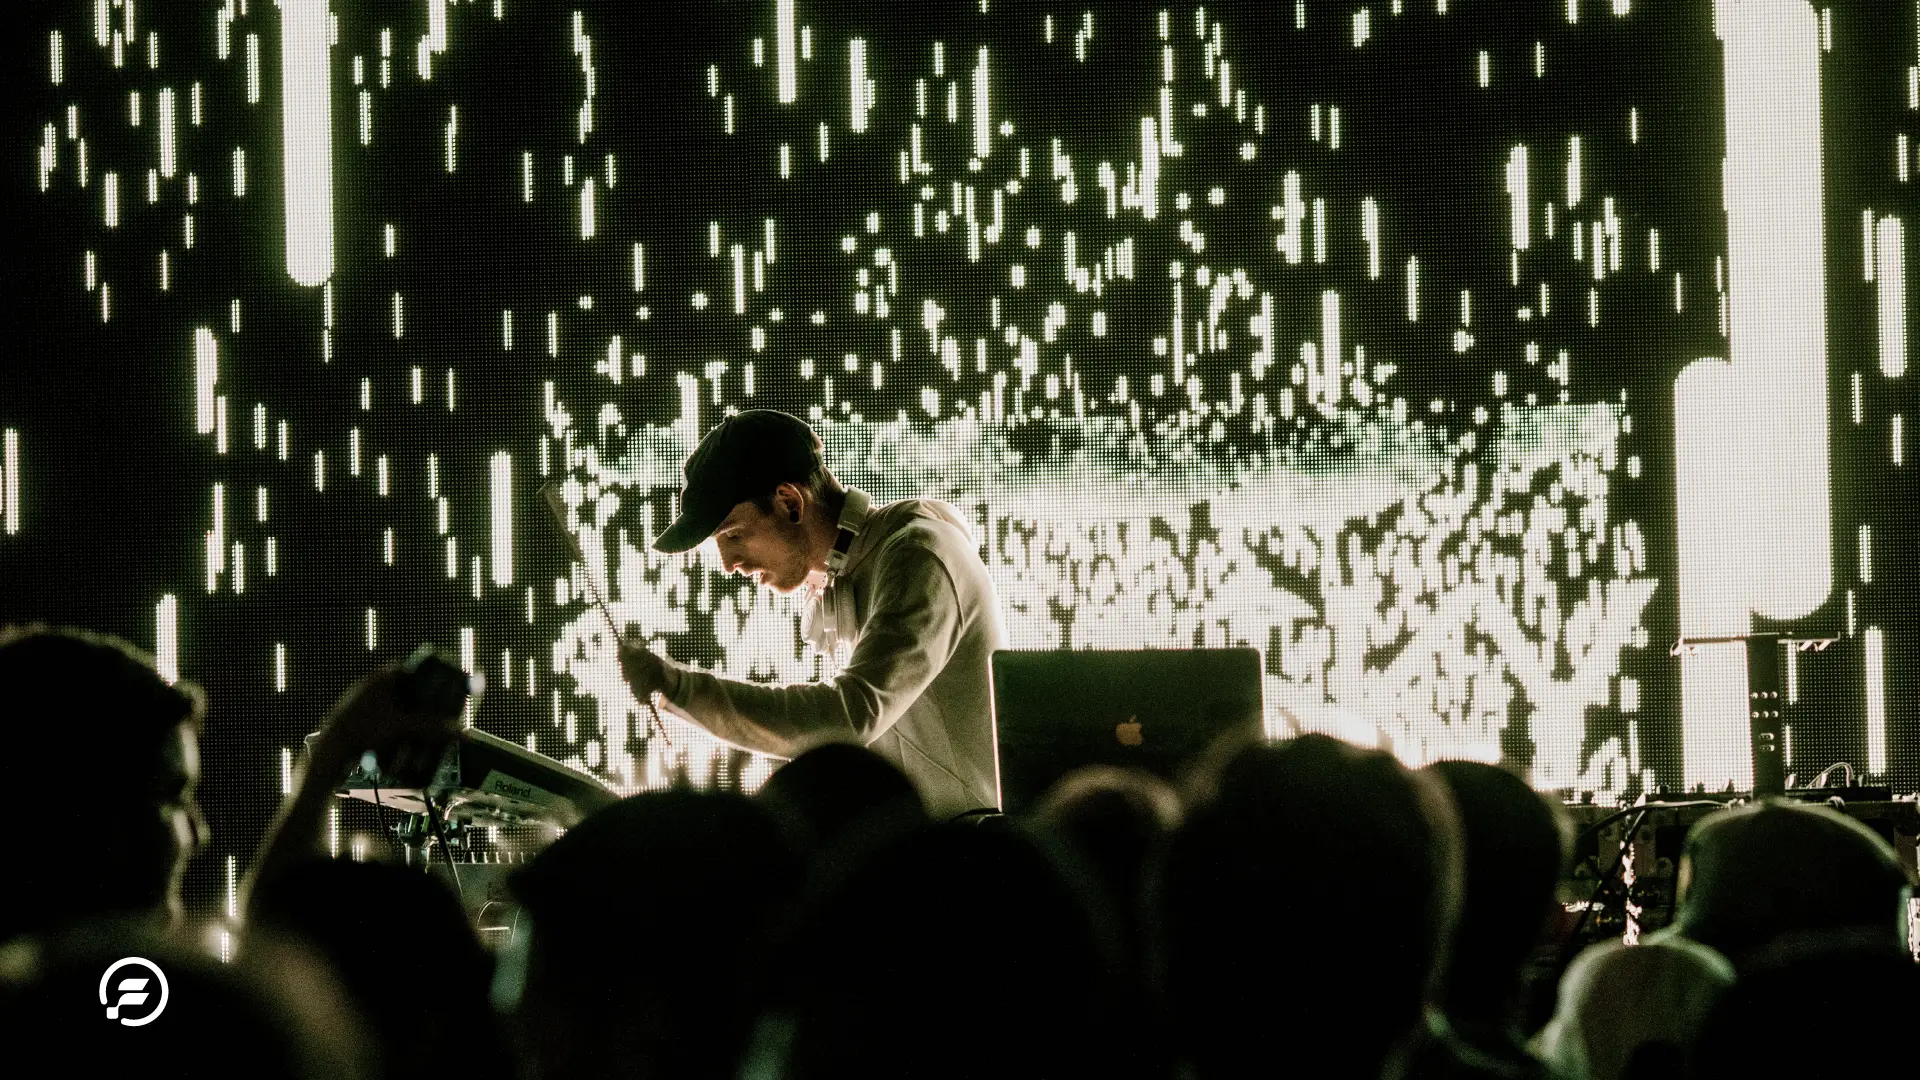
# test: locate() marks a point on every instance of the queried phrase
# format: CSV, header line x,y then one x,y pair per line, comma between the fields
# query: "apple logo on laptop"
x,y
1128,732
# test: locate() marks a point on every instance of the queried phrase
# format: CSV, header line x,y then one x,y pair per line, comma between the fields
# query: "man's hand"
x,y
408,744
646,673
369,716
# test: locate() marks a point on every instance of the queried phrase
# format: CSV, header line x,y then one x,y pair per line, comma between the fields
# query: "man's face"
x,y
181,822
768,547
148,831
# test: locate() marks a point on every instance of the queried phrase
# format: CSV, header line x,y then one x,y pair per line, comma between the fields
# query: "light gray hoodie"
x,y
912,619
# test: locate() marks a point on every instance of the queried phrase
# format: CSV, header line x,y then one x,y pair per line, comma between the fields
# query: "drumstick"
x,y
557,509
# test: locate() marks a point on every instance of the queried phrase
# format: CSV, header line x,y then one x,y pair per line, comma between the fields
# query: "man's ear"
x,y
789,502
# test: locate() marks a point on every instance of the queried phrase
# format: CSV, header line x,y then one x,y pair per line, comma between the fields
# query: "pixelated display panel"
x,y
1461,356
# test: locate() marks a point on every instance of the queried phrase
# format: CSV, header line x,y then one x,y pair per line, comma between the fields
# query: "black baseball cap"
x,y
745,457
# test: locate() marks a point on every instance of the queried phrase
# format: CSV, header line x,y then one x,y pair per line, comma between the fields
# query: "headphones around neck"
x,y
853,518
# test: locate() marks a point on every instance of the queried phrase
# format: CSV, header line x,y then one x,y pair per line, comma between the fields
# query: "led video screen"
x,y
1461,356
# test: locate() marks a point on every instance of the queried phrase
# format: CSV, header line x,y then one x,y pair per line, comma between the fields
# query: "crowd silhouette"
x,y
1298,908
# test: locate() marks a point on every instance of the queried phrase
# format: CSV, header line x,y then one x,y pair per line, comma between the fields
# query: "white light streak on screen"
x,y
738,253
1574,186
49,155
206,373
469,665
501,490
784,60
1777,300
306,121
168,158
253,65
1331,354
1891,289
1874,649
1521,212
166,638
1714,573
1370,232
10,480
217,538
982,108
861,89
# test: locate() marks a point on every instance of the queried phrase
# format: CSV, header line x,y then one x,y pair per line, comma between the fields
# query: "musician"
x,y
896,592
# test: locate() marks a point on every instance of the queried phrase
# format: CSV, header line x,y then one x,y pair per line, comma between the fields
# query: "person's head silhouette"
x,y
1306,903
100,737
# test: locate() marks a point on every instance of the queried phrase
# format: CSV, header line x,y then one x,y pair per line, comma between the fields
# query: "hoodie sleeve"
x,y
910,631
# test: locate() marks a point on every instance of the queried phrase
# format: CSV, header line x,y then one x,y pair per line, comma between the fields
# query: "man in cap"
x,y
898,594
